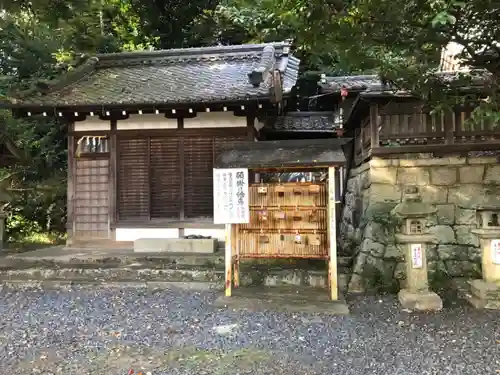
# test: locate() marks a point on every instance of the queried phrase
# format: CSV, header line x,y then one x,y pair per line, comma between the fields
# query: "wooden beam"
x,y
71,186
192,223
150,179
252,132
436,148
235,249
374,125
112,174
98,108
332,235
182,177
303,168
78,134
141,133
228,261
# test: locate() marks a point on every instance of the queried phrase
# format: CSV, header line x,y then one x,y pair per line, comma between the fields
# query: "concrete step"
x,y
172,245
151,260
130,274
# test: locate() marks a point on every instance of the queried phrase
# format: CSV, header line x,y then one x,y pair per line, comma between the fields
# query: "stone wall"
x,y
455,185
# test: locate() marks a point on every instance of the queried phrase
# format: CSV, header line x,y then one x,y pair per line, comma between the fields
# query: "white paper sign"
x,y
231,196
495,251
416,256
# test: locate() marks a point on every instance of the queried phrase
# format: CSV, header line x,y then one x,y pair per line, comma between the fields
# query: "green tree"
x,y
163,24
41,39
308,23
405,39
39,44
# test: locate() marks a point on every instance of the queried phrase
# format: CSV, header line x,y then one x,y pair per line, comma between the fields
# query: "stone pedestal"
x,y
485,293
420,300
416,295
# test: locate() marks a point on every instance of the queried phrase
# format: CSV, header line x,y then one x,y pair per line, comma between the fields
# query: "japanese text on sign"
x,y
495,250
416,256
231,196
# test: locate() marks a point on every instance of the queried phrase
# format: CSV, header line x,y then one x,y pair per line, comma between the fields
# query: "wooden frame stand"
x,y
247,236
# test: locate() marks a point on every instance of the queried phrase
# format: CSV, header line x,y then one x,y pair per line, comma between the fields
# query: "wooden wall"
x,y
91,202
146,177
169,177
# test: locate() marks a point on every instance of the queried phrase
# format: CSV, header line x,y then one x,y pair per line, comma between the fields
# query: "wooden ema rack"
x,y
287,220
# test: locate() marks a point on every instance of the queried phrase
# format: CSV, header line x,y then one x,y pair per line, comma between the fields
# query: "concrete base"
x,y
175,245
421,301
285,299
484,295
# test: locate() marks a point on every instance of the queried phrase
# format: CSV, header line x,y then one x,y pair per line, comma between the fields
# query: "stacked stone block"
x,y
456,185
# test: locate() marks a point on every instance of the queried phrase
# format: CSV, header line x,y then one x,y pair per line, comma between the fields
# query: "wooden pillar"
x,y
374,125
70,225
235,249
332,235
341,183
112,205
228,260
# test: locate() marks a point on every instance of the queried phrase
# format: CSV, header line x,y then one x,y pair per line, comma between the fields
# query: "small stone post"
x,y
485,293
416,295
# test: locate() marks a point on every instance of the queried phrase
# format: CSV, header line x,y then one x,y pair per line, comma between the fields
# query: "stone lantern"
x,y
415,241
485,292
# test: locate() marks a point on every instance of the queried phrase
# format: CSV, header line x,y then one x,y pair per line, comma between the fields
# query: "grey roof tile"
x,y
352,83
373,83
307,122
208,74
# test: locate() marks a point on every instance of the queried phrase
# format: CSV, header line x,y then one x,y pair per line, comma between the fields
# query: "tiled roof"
x,y
307,122
373,83
208,74
352,83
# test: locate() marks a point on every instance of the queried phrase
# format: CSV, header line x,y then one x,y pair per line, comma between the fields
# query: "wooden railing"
x,y
405,128
416,127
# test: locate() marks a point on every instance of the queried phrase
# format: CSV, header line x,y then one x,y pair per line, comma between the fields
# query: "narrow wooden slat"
x,y
133,178
165,182
198,180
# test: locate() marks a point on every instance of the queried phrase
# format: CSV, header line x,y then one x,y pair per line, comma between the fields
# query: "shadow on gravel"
x,y
187,359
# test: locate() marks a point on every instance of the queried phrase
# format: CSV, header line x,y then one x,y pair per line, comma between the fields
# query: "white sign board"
x,y
495,251
231,196
417,258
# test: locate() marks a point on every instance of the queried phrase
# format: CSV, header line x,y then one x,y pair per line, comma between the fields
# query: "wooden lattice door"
x,y
91,202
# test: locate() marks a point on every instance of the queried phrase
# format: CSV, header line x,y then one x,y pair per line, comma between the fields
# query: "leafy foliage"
x,y
404,39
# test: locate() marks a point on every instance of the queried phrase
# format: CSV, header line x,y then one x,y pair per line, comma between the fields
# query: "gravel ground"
x,y
108,331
